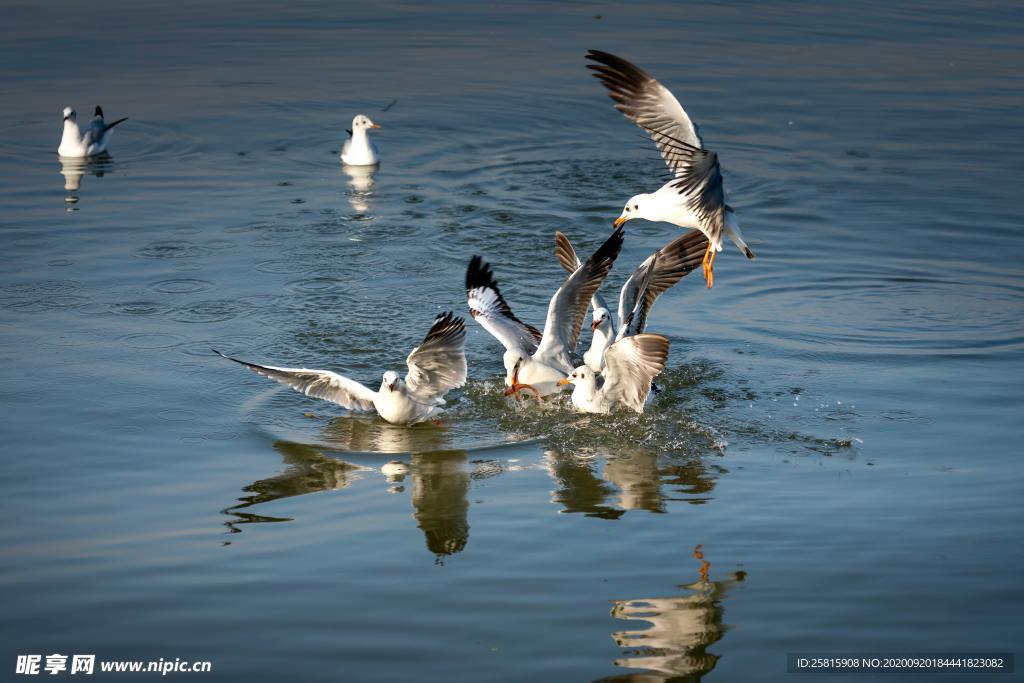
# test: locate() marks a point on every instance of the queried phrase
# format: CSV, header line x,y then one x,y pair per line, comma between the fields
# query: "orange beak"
x,y
563,382
376,125
594,325
619,221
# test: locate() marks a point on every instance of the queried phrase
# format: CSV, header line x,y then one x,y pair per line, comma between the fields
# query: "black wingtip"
x,y
99,111
479,274
613,245
445,324
749,254
111,125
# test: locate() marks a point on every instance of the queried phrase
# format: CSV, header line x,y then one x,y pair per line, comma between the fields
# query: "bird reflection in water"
x,y
439,480
73,169
307,470
635,479
673,647
360,187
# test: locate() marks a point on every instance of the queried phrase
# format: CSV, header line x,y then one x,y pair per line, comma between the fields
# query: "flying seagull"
x,y
536,362
694,197
658,272
358,150
632,363
435,366
76,144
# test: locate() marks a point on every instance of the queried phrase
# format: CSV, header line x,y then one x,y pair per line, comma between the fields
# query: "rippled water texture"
x,y
832,465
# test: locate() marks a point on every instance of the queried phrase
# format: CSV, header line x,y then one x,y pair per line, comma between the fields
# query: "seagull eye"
x,y
636,206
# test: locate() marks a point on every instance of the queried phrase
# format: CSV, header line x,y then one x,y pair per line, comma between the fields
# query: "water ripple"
x,y
182,286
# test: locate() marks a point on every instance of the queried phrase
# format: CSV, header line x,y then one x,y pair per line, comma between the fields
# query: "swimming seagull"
x,y
435,367
694,197
74,143
358,150
632,363
537,362
659,272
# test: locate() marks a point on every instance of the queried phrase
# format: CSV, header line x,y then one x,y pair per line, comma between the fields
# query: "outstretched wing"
x,y
670,264
568,307
566,255
647,103
439,363
631,364
324,384
489,308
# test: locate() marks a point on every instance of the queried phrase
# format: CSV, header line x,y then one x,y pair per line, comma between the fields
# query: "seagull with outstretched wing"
x,y
658,272
695,196
537,363
436,366
632,363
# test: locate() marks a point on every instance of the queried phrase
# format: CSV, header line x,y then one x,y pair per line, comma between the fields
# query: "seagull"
x,y
694,197
74,143
435,367
536,361
632,363
659,271
358,150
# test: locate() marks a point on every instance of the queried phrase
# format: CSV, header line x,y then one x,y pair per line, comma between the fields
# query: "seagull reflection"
x,y
634,479
439,480
73,169
307,471
366,434
440,500
680,629
360,186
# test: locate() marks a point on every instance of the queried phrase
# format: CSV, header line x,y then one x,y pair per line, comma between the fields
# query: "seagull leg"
x,y
708,264
520,387
516,387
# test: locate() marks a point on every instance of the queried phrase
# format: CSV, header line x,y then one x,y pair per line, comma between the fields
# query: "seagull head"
x,y
634,208
362,122
69,114
601,320
581,376
391,380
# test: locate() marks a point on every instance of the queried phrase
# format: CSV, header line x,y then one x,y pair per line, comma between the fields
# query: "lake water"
x,y
834,464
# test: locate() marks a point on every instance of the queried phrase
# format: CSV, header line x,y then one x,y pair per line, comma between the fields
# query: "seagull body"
x,y
632,363
74,143
537,361
658,272
695,196
435,367
358,150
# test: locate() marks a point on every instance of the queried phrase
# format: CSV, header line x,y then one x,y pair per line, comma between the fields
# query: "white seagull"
x,y
435,367
632,363
358,150
537,361
76,144
694,197
659,272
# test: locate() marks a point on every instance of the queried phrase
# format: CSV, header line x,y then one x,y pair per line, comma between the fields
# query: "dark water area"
x,y
834,462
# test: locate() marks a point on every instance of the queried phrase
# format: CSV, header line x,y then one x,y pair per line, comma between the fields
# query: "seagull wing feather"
x,y
631,365
645,102
490,309
324,384
568,307
439,363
